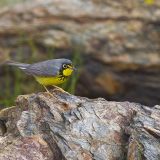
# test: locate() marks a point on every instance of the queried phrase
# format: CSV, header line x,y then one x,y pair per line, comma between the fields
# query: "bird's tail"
x,y
22,66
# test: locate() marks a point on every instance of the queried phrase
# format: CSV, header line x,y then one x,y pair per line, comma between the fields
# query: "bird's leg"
x,y
59,89
48,91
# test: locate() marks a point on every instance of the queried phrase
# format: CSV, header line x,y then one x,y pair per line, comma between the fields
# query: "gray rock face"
x,y
64,126
118,42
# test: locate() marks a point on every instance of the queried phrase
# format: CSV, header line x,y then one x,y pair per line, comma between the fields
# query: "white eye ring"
x,y
64,66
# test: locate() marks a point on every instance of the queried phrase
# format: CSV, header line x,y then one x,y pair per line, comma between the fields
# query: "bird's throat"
x,y
67,72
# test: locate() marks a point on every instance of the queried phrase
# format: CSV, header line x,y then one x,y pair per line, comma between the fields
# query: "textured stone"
x,y
65,126
118,42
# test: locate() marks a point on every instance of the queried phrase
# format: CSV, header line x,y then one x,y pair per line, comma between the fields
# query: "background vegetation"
x,y
20,83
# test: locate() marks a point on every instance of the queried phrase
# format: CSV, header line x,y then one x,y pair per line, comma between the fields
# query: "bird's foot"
x,y
56,88
48,92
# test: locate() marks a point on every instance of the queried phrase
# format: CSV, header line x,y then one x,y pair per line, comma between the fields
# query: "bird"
x,y
49,72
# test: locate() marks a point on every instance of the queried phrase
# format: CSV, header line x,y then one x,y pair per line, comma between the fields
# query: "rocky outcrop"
x,y
63,126
118,42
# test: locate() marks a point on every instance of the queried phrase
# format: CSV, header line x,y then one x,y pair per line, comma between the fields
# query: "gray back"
x,y
47,68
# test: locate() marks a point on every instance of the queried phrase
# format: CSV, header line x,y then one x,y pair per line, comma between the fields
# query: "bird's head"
x,y
67,68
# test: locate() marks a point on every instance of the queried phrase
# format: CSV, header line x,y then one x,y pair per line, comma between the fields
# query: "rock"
x,y
30,148
118,42
144,136
65,126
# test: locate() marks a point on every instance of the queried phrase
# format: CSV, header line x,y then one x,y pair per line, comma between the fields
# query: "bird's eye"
x,y
64,66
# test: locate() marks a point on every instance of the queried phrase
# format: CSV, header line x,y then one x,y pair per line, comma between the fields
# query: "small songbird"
x,y
48,73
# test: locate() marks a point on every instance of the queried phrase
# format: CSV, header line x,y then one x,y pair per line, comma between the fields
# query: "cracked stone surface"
x,y
65,126
118,41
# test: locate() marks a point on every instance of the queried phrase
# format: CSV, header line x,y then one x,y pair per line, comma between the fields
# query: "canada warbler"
x,y
48,73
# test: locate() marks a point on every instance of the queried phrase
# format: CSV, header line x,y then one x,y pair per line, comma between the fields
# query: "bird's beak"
x,y
75,69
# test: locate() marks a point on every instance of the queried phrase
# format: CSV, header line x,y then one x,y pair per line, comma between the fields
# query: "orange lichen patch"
x,y
134,151
86,156
65,106
117,137
39,139
109,83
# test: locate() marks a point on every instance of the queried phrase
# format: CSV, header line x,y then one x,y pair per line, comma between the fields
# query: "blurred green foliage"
x,y
71,84
17,83
9,2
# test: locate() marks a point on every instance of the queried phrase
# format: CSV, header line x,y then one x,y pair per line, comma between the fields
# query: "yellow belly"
x,y
49,81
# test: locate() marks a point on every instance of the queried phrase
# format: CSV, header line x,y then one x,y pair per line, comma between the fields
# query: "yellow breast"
x,y
48,81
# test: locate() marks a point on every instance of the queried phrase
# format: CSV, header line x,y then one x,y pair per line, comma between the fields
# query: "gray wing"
x,y
45,68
